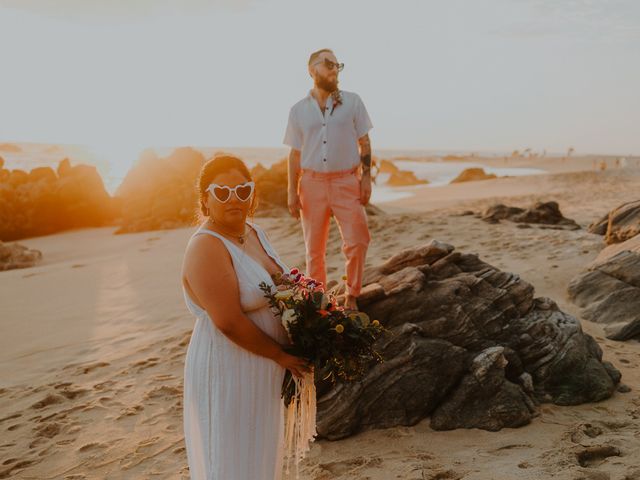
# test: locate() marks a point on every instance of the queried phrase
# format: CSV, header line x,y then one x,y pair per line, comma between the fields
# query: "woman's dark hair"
x,y
221,163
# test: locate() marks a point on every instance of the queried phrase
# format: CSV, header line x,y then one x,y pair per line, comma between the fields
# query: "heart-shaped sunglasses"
x,y
222,193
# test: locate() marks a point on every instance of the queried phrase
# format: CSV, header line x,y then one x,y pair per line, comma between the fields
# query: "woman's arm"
x,y
209,271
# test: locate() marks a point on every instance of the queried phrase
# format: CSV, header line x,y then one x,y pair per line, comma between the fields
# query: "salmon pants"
x,y
337,193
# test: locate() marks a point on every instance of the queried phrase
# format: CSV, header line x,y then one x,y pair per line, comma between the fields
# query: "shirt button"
x,y
323,124
324,159
324,141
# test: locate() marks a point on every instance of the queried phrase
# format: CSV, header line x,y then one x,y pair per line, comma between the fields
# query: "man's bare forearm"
x,y
293,170
365,154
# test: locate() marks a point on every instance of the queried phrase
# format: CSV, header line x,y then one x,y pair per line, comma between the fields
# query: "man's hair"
x,y
314,56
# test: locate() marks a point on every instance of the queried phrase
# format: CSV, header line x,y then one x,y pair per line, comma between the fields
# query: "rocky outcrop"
x,y
13,255
160,192
620,224
10,148
46,201
544,213
608,291
468,345
271,186
387,166
404,178
472,175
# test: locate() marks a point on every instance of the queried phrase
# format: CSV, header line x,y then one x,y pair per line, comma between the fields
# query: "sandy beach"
x,y
93,339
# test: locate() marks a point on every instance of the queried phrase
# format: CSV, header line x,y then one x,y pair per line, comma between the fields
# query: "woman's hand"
x,y
298,366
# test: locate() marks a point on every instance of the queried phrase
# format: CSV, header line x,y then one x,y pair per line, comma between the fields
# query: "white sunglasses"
x,y
222,193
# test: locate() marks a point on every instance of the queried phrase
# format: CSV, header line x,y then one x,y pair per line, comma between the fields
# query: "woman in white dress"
x,y
235,364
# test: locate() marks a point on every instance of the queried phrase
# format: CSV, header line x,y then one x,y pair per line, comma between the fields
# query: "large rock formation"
x,y
469,345
620,224
387,166
544,213
45,201
14,255
271,185
404,178
161,192
472,175
609,290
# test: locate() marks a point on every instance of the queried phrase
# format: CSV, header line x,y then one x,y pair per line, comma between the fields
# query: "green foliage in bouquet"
x,y
337,342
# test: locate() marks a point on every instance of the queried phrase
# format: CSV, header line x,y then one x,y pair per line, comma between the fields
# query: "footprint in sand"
x,y
593,456
7,472
109,401
351,465
84,369
443,475
68,392
50,399
92,447
146,363
130,411
48,430
505,449
140,454
165,391
30,275
104,386
11,417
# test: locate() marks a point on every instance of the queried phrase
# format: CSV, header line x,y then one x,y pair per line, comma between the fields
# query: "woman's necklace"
x,y
241,238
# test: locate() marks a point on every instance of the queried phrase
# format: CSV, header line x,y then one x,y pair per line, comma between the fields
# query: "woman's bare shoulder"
x,y
204,248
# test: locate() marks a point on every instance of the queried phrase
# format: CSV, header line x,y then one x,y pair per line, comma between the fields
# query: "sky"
x,y
474,75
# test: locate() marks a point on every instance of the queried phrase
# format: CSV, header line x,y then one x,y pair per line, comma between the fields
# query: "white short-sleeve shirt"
x,y
328,142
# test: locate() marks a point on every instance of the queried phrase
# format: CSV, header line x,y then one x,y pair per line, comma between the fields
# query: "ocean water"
x,y
425,164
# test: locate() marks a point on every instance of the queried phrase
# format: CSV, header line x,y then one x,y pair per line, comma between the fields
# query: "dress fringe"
x,y
300,423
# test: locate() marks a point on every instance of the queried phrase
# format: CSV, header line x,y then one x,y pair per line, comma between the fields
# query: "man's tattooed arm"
x,y
365,153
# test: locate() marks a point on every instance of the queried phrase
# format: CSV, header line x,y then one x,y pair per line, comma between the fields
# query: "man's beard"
x,y
327,85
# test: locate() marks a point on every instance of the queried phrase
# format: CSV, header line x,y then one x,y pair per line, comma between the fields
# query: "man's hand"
x,y
365,188
293,203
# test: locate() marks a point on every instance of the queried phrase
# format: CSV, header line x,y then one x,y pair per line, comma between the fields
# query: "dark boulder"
x,y
609,290
468,344
620,224
544,213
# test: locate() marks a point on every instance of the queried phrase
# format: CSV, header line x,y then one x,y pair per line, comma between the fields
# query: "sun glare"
x,y
119,157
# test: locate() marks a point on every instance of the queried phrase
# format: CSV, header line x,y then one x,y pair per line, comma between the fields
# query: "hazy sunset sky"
x,y
491,75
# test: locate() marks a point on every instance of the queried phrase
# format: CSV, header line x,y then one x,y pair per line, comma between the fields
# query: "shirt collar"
x,y
328,103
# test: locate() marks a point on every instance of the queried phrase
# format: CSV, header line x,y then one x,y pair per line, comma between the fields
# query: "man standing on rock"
x,y
329,171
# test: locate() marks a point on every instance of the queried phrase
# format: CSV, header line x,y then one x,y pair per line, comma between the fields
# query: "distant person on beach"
x,y
329,171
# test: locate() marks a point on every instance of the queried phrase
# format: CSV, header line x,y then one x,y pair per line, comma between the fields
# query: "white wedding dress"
x,y
233,411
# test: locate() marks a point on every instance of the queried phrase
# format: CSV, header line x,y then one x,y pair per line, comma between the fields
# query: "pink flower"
x,y
294,271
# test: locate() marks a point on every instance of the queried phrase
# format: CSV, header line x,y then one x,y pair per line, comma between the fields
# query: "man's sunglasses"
x,y
222,193
329,64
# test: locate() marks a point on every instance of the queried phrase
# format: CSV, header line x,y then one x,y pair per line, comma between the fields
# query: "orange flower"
x,y
324,313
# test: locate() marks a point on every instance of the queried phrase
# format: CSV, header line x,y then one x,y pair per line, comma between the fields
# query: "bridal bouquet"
x,y
336,342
